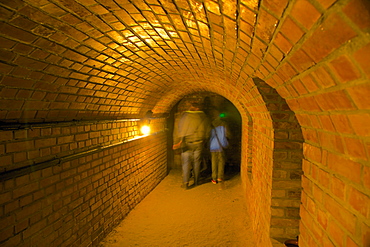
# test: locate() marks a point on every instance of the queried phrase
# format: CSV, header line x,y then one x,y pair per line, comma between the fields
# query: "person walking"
x,y
193,131
218,142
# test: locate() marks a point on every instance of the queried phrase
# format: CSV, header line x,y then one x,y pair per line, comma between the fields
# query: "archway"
x,y
229,113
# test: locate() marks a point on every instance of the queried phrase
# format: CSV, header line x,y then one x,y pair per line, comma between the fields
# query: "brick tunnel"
x,y
77,78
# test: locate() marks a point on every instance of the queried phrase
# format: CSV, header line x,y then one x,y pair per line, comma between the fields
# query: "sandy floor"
x,y
207,215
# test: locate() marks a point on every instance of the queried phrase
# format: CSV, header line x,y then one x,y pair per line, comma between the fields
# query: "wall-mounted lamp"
x,y
145,123
145,130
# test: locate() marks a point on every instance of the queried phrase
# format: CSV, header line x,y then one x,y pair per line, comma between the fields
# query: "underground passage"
x,y
81,79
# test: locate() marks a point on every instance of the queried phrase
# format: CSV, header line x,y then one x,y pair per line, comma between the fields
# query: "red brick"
x,y
366,177
359,201
34,228
6,233
355,148
328,37
324,178
337,210
276,6
322,77
21,225
17,33
363,59
286,71
310,135
359,12
309,83
326,3
13,241
309,104
276,78
46,182
36,104
7,55
6,136
342,123
345,69
4,198
345,167
322,218
350,242
19,146
11,206
304,12
45,142
55,150
46,132
336,100
331,141
326,123
45,152
33,154
24,94
338,187
22,180
301,60
30,63
38,95
20,134
365,240
283,44
291,30
266,26
360,124
303,119
26,200
14,114
11,104
360,95
312,153
288,92
25,190
8,92
276,53
32,133
22,49
336,233
6,68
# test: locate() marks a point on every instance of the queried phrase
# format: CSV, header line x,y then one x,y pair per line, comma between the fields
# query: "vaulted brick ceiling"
x,y
76,59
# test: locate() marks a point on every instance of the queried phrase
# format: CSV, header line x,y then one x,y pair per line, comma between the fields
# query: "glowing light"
x,y
145,130
222,115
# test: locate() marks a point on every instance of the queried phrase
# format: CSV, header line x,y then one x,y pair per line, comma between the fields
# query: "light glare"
x,y
145,130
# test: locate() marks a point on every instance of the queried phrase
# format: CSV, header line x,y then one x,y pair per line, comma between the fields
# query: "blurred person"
x,y
193,132
219,140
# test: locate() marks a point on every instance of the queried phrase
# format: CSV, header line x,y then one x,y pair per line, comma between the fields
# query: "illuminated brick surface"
x,y
93,60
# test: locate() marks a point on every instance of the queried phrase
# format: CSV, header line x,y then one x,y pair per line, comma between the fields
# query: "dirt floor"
x,y
207,215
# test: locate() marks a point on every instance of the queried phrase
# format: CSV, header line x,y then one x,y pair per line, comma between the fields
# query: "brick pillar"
x,y
287,165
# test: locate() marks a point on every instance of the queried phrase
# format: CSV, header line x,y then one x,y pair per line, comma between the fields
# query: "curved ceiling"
x,y
76,59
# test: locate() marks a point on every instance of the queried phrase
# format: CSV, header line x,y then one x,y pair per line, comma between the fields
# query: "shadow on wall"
x,y
228,111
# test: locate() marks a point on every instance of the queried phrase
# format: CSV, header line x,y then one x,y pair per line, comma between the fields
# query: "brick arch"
x,y
272,156
286,164
102,60
271,162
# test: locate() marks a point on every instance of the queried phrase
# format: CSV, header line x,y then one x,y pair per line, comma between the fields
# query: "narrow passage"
x,y
206,215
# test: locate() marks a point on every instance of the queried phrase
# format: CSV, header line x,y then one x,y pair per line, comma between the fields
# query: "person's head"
x,y
195,106
215,113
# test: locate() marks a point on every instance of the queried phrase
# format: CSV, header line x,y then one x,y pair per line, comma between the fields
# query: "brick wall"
x,y
272,165
324,78
78,200
63,61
